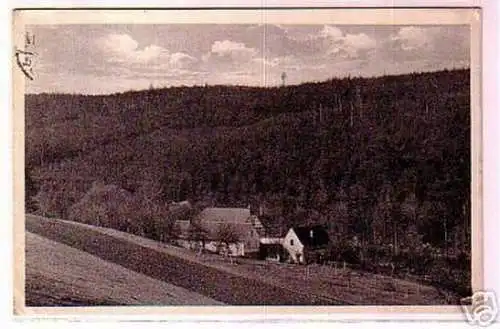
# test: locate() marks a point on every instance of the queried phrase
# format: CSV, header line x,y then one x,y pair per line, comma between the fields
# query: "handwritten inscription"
x,y
25,56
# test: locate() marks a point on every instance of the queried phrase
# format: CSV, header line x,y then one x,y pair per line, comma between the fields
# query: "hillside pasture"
x,y
281,284
58,275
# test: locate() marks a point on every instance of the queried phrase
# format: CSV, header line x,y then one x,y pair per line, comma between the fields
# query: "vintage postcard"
x,y
249,161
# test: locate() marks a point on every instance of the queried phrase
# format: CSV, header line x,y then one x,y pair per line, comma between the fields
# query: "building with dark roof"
x,y
306,244
257,233
312,236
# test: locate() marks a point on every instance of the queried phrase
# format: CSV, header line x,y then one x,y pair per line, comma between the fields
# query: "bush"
x,y
377,253
452,279
54,199
107,206
345,250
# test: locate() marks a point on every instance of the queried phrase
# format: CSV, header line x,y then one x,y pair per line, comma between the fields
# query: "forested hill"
x,y
375,157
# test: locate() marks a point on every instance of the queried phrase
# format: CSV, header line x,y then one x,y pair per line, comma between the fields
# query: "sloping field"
x,y
208,281
247,281
58,275
347,286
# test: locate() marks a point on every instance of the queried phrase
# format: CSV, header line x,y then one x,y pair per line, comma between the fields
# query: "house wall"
x,y
273,252
246,226
266,240
294,247
183,226
250,238
235,249
188,244
257,224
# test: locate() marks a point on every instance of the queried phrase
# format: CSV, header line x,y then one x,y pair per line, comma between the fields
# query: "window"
x,y
291,242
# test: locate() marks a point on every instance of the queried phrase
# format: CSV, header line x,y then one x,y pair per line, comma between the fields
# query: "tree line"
x,y
385,160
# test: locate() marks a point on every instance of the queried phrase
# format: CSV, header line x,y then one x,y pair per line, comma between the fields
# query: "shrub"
x,y
344,250
107,206
54,198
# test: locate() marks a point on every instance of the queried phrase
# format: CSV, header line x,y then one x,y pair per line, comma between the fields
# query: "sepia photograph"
x,y
249,162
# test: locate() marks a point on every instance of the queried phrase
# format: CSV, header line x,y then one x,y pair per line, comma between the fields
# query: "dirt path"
x,y
208,281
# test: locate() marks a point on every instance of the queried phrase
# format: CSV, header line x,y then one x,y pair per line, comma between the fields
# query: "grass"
x,y
206,280
324,283
58,275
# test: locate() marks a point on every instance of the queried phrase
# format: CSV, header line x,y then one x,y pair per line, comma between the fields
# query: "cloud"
x,y
236,51
282,62
123,48
345,45
437,45
272,62
126,57
330,32
352,46
412,38
359,41
446,39
181,60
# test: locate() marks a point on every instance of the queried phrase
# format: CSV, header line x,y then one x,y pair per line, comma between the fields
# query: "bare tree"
x,y
198,233
226,235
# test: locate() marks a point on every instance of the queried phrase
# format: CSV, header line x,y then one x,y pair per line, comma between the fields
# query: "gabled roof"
x,y
312,236
239,219
272,227
225,215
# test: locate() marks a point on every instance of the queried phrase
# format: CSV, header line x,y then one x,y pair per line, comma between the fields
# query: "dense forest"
x,y
384,161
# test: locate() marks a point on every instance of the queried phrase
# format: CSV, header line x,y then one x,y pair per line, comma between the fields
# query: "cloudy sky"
x,y
98,59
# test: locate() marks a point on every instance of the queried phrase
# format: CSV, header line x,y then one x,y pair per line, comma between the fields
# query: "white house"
x,y
305,243
294,246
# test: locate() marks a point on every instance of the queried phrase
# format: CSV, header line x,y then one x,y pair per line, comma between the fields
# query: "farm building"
x,y
218,229
273,251
247,232
306,244
271,239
